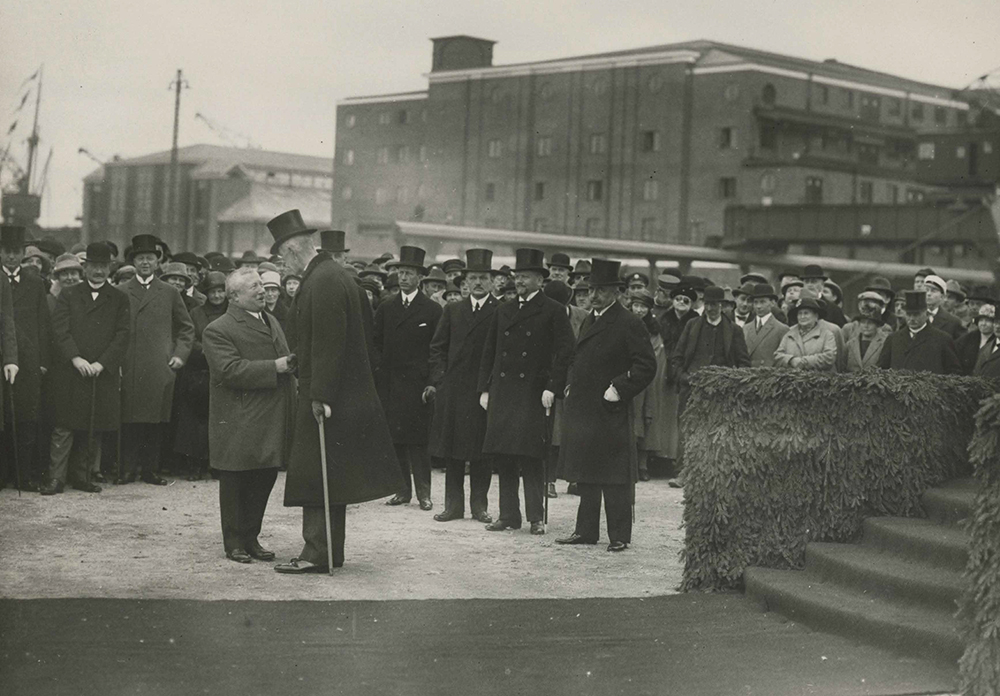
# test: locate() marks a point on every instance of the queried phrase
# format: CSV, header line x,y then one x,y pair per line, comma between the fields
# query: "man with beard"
x,y
459,424
336,393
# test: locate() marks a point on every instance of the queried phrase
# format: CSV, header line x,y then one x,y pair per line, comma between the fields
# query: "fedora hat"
x,y
581,269
812,271
249,257
916,301
605,272
141,244
12,237
285,226
746,288
66,262
763,290
504,270
531,260
99,252
714,293
479,261
808,303
955,288
560,260
752,278
411,257
333,241
880,284
175,269
434,275
372,270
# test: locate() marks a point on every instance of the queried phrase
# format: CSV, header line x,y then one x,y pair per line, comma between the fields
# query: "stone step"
x,y
828,606
919,539
871,571
951,502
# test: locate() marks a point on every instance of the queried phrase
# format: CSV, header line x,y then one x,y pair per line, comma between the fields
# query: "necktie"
x,y
406,303
475,307
760,324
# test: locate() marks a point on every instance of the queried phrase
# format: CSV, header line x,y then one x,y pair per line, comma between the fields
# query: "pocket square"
x,y
424,324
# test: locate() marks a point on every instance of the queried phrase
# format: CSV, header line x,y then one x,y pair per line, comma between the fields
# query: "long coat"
x,y
527,351
403,341
967,348
816,348
991,366
248,399
334,369
161,328
947,322
33,324
97,331
598,445
459,424
931,350
191,394
8,333
855,360
734,347
762,344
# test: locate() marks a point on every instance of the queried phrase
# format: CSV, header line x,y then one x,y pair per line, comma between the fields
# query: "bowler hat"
x,y
880,284
582,268
746,288
214,279
605,272
410,256
187,257
763,290
560,260
807,303
478,260
714,293
141,244
752,278
372,270
12,236
916,301
333,241
812,271
99,252
223,264
249,257
285,226
531,260
175,269
435,275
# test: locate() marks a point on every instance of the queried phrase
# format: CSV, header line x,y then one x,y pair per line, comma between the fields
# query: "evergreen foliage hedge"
x,y
980,605
777,458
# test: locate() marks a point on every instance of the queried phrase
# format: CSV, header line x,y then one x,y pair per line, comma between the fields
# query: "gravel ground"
x,y
141,541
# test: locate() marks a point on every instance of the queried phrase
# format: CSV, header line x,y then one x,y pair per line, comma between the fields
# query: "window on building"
x,y
423,153
848,99
598,143
495,148
871,108
348,157
543,146
940,115
593,227
541,224
893,193
650,190
539,190
650,141
402,194
925,151
647,229
490,193
403,153
201,195
384,118
914,196
144,193
383,155
768,135
346,193
727,138
727,187
822,94
814,189
868,154
769,94
917,111
352,120
595,190
960,152
402,117
866,192
895,107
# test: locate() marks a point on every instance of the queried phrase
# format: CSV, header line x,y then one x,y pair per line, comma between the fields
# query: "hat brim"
x,y
397,264
793,313
132,253
285,237
887,291
543,271
769,296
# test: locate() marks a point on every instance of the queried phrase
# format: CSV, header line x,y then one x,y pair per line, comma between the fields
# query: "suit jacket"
x,y
527,352
456,352
8,333
248,399
990,368
761,345
949,323
932,350
33,325
734,348
855,360
403,341
161,329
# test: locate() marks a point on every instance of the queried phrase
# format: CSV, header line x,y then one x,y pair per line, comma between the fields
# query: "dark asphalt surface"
x,y
681,644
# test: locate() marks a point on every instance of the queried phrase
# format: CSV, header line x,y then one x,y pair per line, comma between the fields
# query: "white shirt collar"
x,y
915,332
478,304
528,298
713,323
95,288
599,314
145,282
408,298
763,319
933,312
15,274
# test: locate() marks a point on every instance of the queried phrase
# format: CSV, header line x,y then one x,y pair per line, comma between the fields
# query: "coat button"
x,y
503,374
528,333
524,354
506,333
522,375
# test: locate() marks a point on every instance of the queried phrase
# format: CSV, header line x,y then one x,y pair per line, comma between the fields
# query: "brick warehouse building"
x,y
649,144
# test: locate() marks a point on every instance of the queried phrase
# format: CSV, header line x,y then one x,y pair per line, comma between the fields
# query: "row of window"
x,y
400,117
400,154
926,151
595,190
869,105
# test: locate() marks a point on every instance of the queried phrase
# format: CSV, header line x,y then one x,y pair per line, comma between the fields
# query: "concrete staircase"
x,y
897,588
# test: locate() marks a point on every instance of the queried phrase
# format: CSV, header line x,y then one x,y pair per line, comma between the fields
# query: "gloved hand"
x,y
548,399
320,411
611,394
484,400
428,395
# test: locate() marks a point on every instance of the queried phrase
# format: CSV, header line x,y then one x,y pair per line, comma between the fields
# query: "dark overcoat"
x,y
161,329
598,445
334,369
97,331
967,347
734,347
931,350
949,323
8,333
191,393
459,423
527,351
403,341
248,399
33,324
990,368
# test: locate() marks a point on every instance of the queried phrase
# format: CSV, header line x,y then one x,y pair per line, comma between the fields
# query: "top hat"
x,y
714,293
807,303
435,275
746,288
141,244
12,237
531,260
453,265
812,271
763,290
333,241
285,226
560,260
478,260
880,284
249,257
176,269
916,301
99,252
636,276
605,272
582,268
410,256
752,278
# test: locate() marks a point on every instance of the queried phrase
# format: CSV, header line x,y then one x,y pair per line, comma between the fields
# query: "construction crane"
x,y
228,135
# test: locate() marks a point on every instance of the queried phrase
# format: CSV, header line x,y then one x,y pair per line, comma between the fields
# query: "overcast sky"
x,y
275,70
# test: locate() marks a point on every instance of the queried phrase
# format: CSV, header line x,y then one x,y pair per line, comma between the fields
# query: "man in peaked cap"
x,y
526,355
937,315
453,269
334,243
404,327
559,267
459,424
636,283
337,394
920,346
613,363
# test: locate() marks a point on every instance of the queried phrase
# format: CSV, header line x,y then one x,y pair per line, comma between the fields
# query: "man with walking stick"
x,y
8,356
342,452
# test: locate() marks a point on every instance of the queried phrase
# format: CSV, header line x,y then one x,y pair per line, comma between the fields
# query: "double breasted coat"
x,y
97,331
33,326
527,352
762,344
334,369
248,399
459,424
8,333
598,445
931,350
945,321
161,329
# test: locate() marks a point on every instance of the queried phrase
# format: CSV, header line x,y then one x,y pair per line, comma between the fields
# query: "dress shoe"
x,y
537,528
675,483
51,488
127,478
574,539
482,516
571,489
501,525
643,475
550,491
426,504
448,516
397,500
238,555
259,552
617,546
98,478
297,566
87,487
154,480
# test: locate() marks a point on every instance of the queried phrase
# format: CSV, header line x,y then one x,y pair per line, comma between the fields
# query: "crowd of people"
x,y
125,368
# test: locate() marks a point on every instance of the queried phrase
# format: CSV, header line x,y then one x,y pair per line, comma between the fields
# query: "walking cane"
x,y
13,435
90,430
326,495
118,438
545,464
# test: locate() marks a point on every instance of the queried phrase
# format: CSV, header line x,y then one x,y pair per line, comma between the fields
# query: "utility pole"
x,y
172,196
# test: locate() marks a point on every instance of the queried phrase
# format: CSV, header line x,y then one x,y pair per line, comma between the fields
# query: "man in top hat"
x,y
744,303
459,424
613,363
160,339
248,260
814,281
559,267
920,346
527,353
336,393
939,317
404,328
34,339
334,243
90,327
764,331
